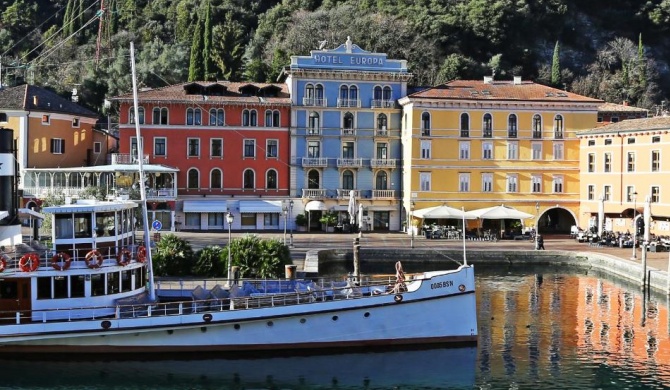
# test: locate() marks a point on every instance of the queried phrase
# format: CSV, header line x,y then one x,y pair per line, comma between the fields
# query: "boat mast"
x,y
143,192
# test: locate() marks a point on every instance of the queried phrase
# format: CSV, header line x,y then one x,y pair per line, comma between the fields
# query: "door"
x,y
15,296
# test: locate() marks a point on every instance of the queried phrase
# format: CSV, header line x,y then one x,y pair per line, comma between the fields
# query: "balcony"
x,y
314,162
383,194
344,194
349,162
126,158
383,132
313,131
314,193
314,102
558,134
347,132
348,102
382,163
382,103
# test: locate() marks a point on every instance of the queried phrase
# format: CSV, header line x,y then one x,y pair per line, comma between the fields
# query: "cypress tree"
x,y
556,67
209,70
196,70
641,64
67,19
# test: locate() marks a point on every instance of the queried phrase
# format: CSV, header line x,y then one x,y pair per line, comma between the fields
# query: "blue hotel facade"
x,y
345,133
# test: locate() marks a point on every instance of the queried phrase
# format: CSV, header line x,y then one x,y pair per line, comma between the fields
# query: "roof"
x,y
622,108
22,97
500,90
215,92
653,123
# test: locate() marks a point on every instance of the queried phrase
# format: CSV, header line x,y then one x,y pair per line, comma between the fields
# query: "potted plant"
x,y
301,222
329,220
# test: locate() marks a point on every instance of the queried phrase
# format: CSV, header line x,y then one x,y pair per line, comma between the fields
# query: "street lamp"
x,y
411,222
634,225
290,215
285,212
230,219
537,217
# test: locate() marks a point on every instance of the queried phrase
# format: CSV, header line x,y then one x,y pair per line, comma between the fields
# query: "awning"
x,y
316,205
341,207
260,206
382,208
4,214
28,213
205,206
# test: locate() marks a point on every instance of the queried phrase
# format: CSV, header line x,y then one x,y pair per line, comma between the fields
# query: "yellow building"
x,y
621,164
483,143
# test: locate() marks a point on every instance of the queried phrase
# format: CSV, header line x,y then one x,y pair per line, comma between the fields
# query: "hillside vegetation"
x,y
610,49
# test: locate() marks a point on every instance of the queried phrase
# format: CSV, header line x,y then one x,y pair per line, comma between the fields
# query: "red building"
x,y
230,143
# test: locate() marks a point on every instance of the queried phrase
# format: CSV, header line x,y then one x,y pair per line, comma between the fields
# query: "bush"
x,y
301,219
209,262
256,257
173,257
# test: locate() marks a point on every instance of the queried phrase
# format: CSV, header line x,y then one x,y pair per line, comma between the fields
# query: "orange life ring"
x,y
141,254
123,258
29,262
3,263
61,261
94,259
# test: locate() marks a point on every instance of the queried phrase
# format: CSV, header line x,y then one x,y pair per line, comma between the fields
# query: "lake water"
x,y
538,329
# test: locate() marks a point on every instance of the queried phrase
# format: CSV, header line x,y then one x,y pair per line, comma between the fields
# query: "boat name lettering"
x,y
354,60
445,284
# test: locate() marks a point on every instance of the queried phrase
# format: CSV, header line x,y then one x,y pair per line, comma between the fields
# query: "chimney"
x,y
517,80
35,100
625,103
488,79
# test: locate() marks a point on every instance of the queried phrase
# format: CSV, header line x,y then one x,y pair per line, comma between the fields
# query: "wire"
x,y
29,34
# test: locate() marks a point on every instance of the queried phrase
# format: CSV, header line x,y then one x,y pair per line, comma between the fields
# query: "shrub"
x,y
173,257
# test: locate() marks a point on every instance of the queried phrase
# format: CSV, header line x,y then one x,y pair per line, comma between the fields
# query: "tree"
x,y
196,69
173,257
228,53
257,257
210,262
207,48
556,67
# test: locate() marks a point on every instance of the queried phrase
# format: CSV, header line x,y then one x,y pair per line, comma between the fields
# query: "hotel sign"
x,y
347,59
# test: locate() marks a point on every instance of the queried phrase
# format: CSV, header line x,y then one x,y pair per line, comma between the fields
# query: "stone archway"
x,y
556,220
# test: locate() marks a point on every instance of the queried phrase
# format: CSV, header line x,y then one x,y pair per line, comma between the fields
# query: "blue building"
x,y
345,133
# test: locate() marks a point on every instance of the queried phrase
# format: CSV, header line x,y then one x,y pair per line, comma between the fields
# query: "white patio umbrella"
x,y
444,212
360,217
352,207
499,212
601,216
647,219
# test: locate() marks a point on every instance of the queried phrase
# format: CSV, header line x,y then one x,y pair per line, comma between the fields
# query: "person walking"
x,y
539,242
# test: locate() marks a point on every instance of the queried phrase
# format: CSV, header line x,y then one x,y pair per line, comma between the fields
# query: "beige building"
x,y
621,163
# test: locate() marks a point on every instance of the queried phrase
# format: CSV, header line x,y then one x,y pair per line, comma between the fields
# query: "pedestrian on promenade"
x,y
539,243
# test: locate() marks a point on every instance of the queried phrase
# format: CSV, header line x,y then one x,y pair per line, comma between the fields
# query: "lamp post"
x,y
230,219
285,212
290,215
411,223
537,217
634,225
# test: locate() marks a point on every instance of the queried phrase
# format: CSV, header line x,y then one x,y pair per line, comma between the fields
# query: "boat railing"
x,y
78,257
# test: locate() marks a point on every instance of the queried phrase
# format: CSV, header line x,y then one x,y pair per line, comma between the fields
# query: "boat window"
x,y
77,286
126,280
140,277
44,288
97,285
112,283
64,227
8,289
60,287
82,225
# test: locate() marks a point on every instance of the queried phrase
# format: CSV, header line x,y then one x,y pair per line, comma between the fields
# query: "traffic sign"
x,y
156,225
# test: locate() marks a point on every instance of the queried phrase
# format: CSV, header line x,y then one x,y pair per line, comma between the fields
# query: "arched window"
x,y
558,127
246,118
382,122
425,124
253,118
275,118
197,113
353,94
348,180
216,178
465,125
313,179
189,116
318,94
309,95
387,94
216,117
511,126
268,118
344,94
537,126
381,181
348,122
193,179
248,178
314,123
271,179
487,126
131,115
377,92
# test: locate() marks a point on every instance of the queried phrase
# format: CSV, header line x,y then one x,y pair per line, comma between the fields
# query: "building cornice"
x,y
328,74
526,105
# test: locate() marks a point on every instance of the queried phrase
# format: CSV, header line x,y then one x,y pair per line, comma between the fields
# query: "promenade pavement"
x,y
302,242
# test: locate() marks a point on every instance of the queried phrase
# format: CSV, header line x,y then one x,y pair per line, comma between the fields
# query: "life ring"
x,y
3,262
93,259
61,261
141,254
123,258
29,262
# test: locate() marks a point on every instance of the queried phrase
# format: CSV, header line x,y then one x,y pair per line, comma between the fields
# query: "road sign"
x,y
156,225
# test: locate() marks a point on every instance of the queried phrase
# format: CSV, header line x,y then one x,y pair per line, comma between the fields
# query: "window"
x,y
193,179
536,148
216,178
607,164
249,118
655,139
131,115
272,118
348,149
271,148
348,123
425,149
382,122
630,165
46,119
487,182
133,147
271,219
193,116
160,116
512,150
160,146
511,126
590,192
194,147
558,151
630,141
217,117
487,126
387,93
464,182
558,184
57,146
614,119
313,149
216,147
271,179
607,193
3,117
314,123
536,183
75,122
630,192
608,141
97,147
348,180
465,125
216,220
655,160
655,194
424,181
382,150
512,182
313,179
464,150
487,150
248,179
425,124
558,127
381,181
249,148
591,162
309,95
591,142
537,126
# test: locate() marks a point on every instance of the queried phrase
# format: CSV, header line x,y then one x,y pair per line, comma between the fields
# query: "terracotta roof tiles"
x,y
620,108
33,98
653,123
